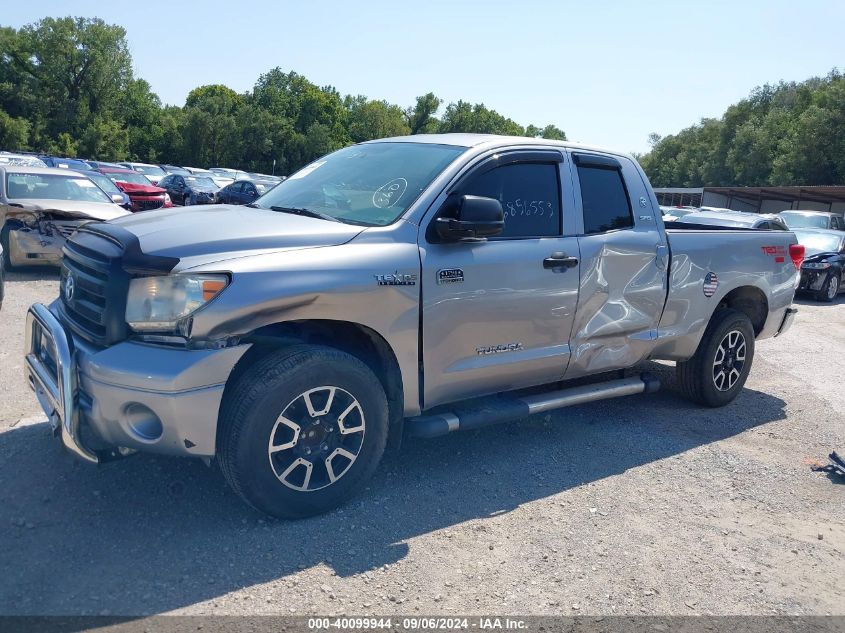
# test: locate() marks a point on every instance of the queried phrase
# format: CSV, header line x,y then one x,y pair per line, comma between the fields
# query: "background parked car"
x,y
98,164
175,169
40,207
797,219
243,191
153,172
21,160
824,262
65,163
188,190
735,219
143,194
256,176
234,174
219,179
673,213
109,187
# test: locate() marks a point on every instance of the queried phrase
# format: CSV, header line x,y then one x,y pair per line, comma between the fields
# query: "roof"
x,y
53,171
493,140
810,212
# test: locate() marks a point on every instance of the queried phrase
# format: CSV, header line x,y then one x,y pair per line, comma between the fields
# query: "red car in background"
x,y
143,194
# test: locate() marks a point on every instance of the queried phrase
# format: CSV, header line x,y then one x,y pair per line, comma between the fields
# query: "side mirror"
x,y
474,217
117,198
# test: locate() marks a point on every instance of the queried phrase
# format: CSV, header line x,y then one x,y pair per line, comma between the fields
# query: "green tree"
x,y
421,118
367,120
14,132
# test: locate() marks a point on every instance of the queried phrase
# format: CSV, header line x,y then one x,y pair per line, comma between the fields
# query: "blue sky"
x,y
607,73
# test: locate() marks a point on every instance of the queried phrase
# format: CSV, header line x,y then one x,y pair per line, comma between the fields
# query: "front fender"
x,y
335,283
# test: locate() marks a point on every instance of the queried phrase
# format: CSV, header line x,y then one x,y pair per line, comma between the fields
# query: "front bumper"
x,y
812,280
128,396
29,247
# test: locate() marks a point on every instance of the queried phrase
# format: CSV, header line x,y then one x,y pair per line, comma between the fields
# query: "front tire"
x,y
715,375
830,288
6,262
302,430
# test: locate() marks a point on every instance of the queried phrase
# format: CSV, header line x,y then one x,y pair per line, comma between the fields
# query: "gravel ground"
x,y
644,505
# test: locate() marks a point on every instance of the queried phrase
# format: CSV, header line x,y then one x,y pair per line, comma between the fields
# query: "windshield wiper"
x,y
306,212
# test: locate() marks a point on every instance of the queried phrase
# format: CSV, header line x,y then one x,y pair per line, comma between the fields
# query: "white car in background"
x,y
20,160
671,214
219,179
153,172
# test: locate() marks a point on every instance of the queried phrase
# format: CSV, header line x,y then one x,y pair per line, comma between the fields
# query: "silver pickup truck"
x,y
375,292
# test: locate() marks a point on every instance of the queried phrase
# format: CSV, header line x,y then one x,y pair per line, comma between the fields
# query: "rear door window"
x,y
604,199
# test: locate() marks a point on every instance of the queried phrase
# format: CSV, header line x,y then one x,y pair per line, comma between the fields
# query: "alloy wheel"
x,y
317,438
729,361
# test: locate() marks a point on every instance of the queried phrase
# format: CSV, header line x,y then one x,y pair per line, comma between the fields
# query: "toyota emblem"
x,y
70,287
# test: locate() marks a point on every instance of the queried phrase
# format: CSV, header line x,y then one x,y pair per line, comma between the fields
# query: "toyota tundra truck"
x,y
415,285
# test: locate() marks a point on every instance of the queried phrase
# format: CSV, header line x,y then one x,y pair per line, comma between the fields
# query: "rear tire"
x,y
302,430
715,375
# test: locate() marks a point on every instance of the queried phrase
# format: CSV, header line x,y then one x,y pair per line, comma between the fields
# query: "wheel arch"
x,y
353,338
749,300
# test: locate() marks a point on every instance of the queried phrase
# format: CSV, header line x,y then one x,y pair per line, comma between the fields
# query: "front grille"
x,y
149,205
93,288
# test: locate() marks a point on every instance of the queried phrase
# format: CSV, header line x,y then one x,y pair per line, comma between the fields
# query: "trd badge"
x,y
450,276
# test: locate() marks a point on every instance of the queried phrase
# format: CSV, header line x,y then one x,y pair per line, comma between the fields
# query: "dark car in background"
x,y
109,187
244,191
65,163
99,164
797,219
733,219
187,190
143,195
824,262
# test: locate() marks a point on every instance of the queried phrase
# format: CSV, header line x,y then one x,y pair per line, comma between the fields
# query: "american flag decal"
x,y
711,282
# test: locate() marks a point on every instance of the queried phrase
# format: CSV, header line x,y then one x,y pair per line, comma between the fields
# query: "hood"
x,y
815,256
87,210
203,188
132,188
216,232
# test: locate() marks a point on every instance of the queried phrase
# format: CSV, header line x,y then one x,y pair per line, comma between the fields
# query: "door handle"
x,y
560,260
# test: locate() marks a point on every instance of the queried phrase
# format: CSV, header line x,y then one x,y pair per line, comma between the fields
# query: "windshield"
x,y
150,170
128,176
370,184
53,187
104,183
804,221
200,182
177,170
815,243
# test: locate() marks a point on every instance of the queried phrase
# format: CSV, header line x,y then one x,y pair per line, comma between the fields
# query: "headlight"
x,y
157,304
817,265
